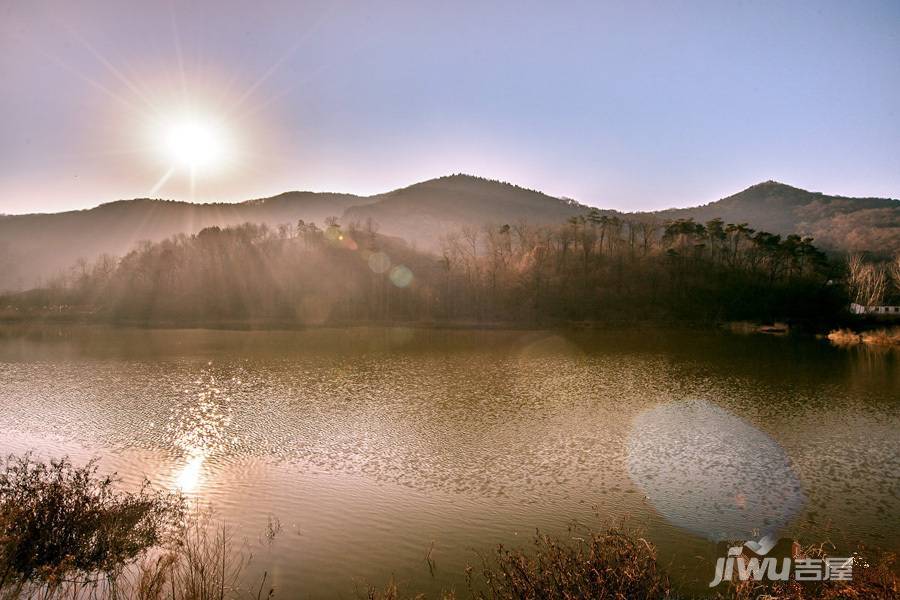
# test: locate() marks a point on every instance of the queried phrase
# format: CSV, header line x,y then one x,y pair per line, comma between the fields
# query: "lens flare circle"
x,y
379,262
711,472
401,276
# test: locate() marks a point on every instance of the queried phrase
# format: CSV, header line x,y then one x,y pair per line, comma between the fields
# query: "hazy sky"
x,y
627,105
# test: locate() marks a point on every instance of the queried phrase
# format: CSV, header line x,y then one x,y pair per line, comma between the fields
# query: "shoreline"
x,y
769,327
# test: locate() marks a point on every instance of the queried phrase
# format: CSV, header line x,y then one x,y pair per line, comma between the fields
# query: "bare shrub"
x,y
61,524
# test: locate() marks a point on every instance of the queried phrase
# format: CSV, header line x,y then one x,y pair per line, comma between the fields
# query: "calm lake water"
x,y
370,445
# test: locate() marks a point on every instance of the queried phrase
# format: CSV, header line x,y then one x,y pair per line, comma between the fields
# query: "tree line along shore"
x,y
593,269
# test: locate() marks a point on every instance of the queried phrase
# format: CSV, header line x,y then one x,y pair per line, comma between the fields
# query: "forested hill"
x,y
835,222
35,248
595,269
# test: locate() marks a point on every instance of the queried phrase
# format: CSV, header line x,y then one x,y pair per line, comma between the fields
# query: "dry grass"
x,y
844,337
876,337
602,565
201,563
204,564
882,337
611,564
874,578
620,565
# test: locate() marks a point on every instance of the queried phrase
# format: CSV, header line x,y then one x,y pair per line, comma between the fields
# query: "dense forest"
x,y
592,267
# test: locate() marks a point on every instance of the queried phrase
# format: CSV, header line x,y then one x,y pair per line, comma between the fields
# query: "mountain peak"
x,y
467,181
772,185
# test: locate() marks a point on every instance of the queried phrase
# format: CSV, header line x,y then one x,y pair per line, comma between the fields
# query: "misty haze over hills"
x,y
36,247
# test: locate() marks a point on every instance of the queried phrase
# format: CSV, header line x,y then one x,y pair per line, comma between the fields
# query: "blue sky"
x,y
629,105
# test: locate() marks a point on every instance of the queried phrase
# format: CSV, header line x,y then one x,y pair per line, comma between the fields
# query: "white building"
x,y
859,309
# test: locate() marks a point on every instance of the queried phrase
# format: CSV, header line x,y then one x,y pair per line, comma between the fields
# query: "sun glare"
x,y
190,475
195,143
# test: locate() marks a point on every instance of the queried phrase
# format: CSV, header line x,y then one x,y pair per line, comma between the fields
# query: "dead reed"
x,y
875,337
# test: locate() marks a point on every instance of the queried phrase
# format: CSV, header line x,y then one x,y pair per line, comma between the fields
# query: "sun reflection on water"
x,y
198,425
191,474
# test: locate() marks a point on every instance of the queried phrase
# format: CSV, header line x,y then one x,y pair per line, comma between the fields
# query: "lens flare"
x,y
379,262
712,473
401,276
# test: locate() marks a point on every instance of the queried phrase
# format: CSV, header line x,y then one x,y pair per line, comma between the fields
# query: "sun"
x,y
192,144
195,142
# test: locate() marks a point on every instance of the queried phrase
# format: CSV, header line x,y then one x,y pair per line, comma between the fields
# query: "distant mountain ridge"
x,y
834,222
422,212
36,247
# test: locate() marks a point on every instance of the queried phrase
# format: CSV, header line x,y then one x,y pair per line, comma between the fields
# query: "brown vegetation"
x,y
60,524
844,337
882,337
66,533
616,564
876,337
874,578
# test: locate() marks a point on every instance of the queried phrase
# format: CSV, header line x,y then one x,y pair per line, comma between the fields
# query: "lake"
x,y
372,446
